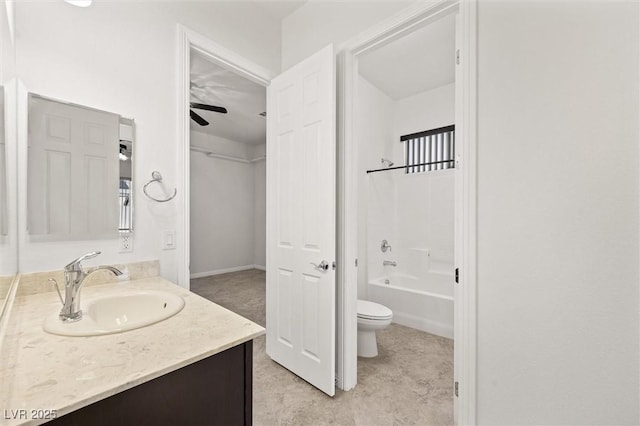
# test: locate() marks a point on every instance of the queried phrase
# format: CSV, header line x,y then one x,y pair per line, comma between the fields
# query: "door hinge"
x,y
455,389
457,56
457,274
356,262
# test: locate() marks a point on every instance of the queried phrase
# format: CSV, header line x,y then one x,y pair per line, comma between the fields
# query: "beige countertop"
x,y
41,371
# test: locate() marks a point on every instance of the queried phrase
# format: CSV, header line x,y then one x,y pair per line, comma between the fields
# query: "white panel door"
x,y
73,170
301,219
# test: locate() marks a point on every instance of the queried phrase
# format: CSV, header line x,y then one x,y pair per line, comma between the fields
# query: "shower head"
x,y
389,162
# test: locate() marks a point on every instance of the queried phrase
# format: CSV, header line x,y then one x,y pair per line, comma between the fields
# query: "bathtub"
x,y
430,311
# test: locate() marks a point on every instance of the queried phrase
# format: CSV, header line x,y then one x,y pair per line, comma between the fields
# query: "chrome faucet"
x,y
74,275
384,246
389,263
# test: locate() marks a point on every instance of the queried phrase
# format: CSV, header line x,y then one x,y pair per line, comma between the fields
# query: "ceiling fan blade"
x,y
195,117
214,108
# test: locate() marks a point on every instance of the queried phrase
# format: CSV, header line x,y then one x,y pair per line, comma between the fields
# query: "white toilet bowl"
x,y
371,317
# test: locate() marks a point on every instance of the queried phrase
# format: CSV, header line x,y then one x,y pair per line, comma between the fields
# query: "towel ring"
x,y
157,177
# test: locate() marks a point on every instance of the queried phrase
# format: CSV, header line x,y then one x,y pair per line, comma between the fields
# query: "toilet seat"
x,y
373,311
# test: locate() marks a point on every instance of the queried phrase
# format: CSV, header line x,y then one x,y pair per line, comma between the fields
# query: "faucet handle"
x,y
75,265
55,283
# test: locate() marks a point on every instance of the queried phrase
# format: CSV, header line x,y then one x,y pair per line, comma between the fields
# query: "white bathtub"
x,y
430,311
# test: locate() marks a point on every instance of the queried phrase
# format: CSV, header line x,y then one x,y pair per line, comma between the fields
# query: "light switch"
x,y
168,240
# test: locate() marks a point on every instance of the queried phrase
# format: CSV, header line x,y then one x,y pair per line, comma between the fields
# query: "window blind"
x,y
435,145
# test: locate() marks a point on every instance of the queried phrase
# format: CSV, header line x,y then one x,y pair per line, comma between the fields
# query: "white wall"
x,y
558,213
318,23
221,211
260,213
122,57
374,130
227,207
425,202
258,157
422,111
221,146
558,322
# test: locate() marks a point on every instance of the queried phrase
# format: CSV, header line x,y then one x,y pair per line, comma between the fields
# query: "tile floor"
x,y
409,383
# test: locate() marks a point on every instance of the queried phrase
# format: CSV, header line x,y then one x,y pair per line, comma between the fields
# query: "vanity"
x,y
192,368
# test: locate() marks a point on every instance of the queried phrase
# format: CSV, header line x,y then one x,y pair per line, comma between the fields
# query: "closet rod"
x,y
412,165
225,157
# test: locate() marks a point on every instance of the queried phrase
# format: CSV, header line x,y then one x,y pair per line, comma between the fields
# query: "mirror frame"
x,y
125,121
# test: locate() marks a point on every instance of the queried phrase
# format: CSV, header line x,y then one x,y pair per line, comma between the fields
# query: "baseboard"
x,y
223,271
262,268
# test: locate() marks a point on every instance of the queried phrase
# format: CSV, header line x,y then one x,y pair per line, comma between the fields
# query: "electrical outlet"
x,y
126,243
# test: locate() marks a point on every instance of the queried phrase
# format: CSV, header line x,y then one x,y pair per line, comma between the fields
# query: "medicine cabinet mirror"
x,y
79,172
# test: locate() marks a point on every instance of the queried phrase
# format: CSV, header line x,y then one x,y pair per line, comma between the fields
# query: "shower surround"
x,y
415,214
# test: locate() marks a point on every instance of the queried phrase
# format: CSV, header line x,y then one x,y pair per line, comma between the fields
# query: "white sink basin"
x,y
118,313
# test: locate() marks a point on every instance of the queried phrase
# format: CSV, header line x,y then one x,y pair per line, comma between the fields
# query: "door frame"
x,y
229,59
465,332
187,40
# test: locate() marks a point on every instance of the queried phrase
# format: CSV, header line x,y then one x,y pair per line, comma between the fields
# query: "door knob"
x,y
323,266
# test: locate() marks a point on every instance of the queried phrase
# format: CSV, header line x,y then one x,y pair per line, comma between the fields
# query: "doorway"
x,y
213,56
228,187
405,136
346,360
227,155
464,192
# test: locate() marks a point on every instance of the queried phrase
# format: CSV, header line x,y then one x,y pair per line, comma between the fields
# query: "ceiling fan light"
x,y
80,3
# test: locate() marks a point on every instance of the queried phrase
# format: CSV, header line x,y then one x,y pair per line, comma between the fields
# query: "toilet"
x,y
371,318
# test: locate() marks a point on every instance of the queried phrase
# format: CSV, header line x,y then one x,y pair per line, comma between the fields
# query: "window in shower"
x,y
429,150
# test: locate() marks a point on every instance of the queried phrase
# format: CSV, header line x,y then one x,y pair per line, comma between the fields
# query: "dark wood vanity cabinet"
x,y
214,391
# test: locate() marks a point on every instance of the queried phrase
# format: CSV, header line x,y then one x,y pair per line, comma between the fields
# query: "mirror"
x,y
79,172
8,179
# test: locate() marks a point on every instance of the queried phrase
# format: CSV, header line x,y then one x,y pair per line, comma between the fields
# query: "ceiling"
x,y
279,10
421,61
244,100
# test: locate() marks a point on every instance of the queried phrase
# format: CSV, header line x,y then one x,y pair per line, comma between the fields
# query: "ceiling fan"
x,y
197,118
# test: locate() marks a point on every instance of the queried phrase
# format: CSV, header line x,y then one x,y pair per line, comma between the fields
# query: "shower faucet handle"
x,y
384,246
